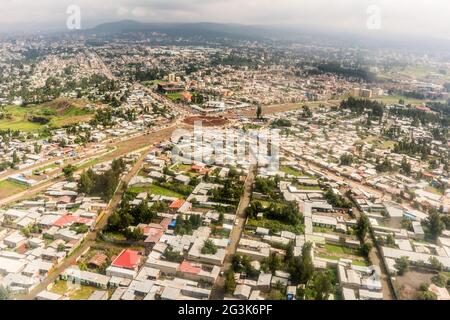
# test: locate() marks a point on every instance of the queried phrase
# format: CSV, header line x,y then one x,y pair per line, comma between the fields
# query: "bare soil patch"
x,y
207,121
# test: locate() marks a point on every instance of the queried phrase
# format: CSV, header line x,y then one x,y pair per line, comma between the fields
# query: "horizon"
x,y
350,16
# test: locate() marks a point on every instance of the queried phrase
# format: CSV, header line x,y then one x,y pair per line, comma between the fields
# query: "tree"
x,y
322,285
259,112
209,247
289,252
362,227
390,240
4,293
406,167
15,158
436,264
365,249
402,265
68,172
302,268
307,264
434,225
85,184
307,113
230,282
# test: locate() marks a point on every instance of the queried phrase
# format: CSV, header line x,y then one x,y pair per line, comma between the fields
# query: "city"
x,y
144,161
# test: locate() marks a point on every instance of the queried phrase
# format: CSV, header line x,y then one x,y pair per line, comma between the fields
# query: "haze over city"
x,y
400,17
224,152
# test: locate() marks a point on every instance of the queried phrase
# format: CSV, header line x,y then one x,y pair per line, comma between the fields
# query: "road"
x,y
218,292
375,254
376,259
91,236
122,148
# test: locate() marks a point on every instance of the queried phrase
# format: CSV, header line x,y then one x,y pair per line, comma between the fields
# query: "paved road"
x,y
218,292
122,148
91,236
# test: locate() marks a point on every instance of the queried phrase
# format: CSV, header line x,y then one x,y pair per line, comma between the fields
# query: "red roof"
x,y
127,259
189,268
69,219
165,223
154,234
196,167
176,204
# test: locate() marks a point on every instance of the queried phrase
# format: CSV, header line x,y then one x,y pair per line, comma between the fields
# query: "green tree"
x,y
4,293
259,112
436,264
68,171
434,225
230,282
209,247
362,227
322,286
402,265
302,268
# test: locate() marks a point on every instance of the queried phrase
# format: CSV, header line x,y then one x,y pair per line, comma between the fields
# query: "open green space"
x,y
8,188
175,96
275,226
291,171
76,292
56,113
152,189
331,248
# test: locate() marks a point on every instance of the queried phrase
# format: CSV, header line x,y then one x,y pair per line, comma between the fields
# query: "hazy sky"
x,y
414,17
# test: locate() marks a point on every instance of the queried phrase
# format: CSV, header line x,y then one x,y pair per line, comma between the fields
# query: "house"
x,y
242,291
98,260
86,278
182,179
47,295
176,204
127,259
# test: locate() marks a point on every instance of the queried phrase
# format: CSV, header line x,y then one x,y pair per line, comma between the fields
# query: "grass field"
x,y
176,96
75,293
291,171
152,189
60,112
276,226
339,249
434,190
396,99
418,72
8,188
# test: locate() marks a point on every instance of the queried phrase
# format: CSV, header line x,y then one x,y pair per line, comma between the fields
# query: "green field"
x,y
152,189
59,113
276,226
396,99
291,171
176,96
360,263
339,249
8,188
76,293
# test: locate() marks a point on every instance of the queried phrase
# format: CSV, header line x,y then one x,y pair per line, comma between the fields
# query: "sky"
x,y
428,18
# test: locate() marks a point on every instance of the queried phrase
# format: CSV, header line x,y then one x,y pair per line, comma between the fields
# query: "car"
x,y
236,222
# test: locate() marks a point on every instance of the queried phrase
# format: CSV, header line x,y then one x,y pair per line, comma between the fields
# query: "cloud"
x,y
413,17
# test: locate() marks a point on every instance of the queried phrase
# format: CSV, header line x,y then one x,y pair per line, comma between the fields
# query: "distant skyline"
x,y
408,17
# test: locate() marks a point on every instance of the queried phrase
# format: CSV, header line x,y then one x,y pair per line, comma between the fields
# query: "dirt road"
x,y
217,292
91,237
